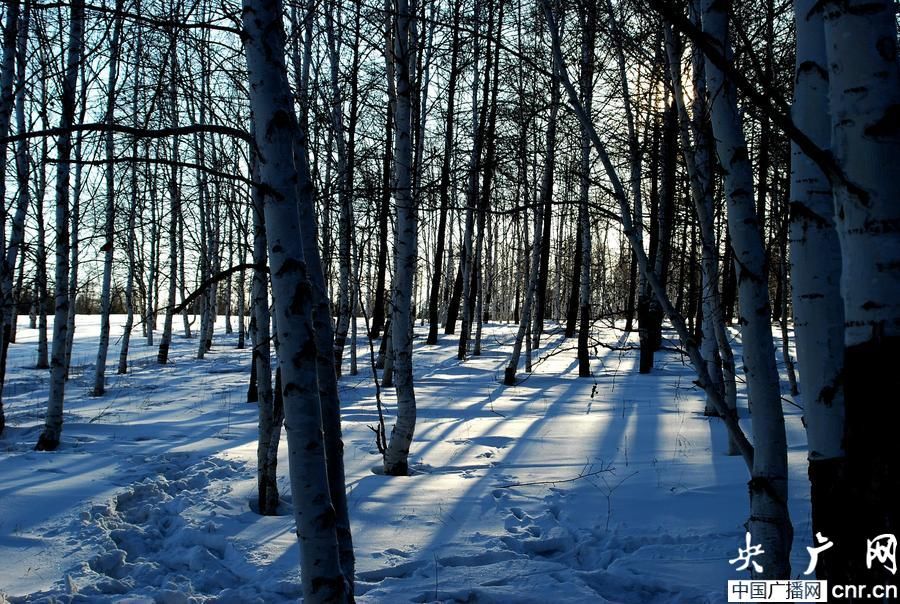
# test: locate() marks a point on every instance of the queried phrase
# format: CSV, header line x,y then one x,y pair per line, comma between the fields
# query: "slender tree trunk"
x,y
638,286
533,271
109,228
546,200
446,165
345,190
16,252
715,346
215,259
589,23
467,263
396,457
770,522
630,303
455,300
267,486
661,247
75,240
132,218
572,303
7,76
229,261
242,279
49,438
165,340
152,289
43,357
206,227
182,279
729,281
327,379
378,312
490,166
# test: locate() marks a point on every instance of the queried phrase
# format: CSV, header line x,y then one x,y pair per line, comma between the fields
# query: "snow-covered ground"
x,y
606,489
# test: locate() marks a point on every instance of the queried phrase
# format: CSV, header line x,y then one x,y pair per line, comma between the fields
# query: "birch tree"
x,y
174,190
396,457
49,438
286,185
7,76
266,458
864,96
715,345
109,226
344,187
815,279
770,522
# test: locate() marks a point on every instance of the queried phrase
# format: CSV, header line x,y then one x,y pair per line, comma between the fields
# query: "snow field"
x,y
607,489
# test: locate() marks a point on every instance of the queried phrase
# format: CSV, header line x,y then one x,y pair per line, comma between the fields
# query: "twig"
x,y
213,280
602,470
103,413
380,432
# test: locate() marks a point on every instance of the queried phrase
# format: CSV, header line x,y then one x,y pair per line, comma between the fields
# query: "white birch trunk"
x,y
49,438
132,218
267,487
345,190
7,76
715,347
242,278
769,523
150,319
165,340
509,377
546,196
864,95
816,273
185,319
75,241
396,457
272,103
329,397
467,263
109,227
206,253
43,356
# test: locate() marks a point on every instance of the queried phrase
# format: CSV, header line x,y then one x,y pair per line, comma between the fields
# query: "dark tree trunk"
x,y
447,162
455,301
572,306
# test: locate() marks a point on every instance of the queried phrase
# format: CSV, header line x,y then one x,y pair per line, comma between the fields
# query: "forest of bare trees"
x,y
327,175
